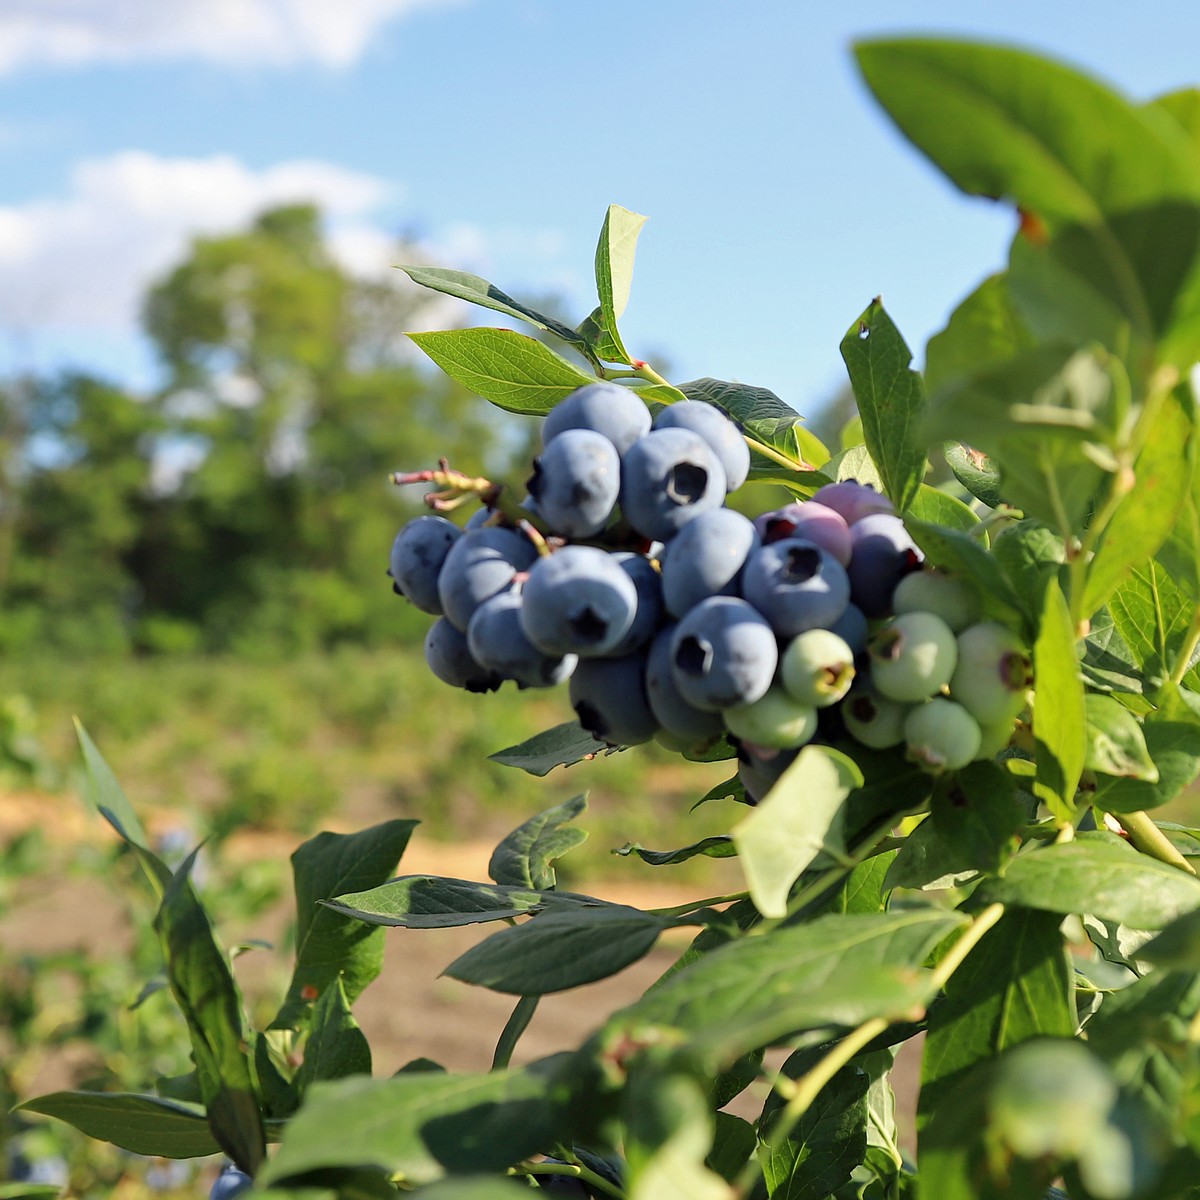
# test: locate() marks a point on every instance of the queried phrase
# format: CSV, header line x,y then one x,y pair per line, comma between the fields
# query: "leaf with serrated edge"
x,y
526,856
512,370
798,819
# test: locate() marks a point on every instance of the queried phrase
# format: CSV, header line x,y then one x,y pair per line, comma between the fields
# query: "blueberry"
x,y
874,720
852,628
705,558
481,563
941,735
817,667
607,408
609,698
759,774
883,554
667,478
912,657
721,433
578,600
693,726
231,1182
992,674
853,500
449,657
775,720
796,585
498,643
417,556
723,652
953,599
576,481
647,617
811,521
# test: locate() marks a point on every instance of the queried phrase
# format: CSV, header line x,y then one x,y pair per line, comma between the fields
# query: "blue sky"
x,y
496,132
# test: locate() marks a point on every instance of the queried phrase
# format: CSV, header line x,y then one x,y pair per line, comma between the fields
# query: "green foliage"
x,y
879,902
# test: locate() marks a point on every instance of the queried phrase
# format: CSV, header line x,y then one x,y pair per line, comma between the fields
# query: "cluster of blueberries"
x,y
674,617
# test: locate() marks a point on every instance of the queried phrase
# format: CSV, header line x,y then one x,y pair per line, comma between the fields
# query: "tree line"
x,y
244,505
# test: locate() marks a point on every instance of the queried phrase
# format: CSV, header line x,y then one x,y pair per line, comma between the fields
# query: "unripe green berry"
x,y
992,674
774,720
951,598
941,735
817,667
874,720
912,657
993,739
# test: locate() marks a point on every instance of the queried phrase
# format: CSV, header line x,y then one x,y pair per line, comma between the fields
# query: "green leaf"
x,y
526,856
976,472
559,949
328,944
105,795
773,430
800,817
733,1145
977,816
465,286
891,401
513,371
1102,876
139,1124
562,746
984,331
1015,984
1177,947
1173,746
936,507
828,1142
208,997
720,845
1154,616
1059,718
436,902
29,1191
1116,744
614,269
480,1188
1164,474
927,861
422,1125
1029,555
837,970
336,1046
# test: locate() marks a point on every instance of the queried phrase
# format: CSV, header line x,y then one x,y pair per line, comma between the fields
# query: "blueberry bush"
x,y
948,714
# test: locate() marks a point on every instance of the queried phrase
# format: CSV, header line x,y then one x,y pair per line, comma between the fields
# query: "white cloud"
x,y
83,260
333,33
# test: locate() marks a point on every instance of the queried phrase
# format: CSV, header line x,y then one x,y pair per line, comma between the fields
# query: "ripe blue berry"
x,y
416,560
721,433
912,657
607,408
449,658
796,585
667,478
723,653
693,726
481,563
231,1182
578,601
609,698
705,558
576,482
498,643
883,554
647,617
